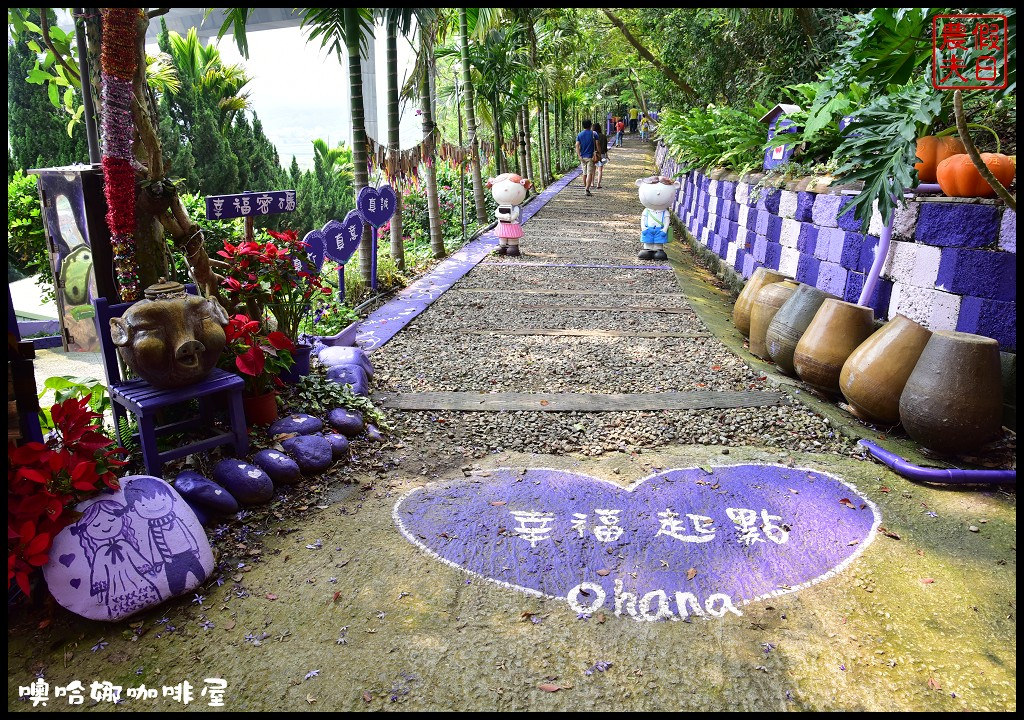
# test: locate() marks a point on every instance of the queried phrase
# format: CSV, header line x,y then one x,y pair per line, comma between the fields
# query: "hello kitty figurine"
x,y
509,190
657,195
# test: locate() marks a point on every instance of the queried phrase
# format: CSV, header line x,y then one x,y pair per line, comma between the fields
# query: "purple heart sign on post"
x,y
679,543
376,205
340,240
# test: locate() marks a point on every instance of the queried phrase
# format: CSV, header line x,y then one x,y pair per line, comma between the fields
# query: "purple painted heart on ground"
x,y
67,559
376,205
76,582
678,543
341,238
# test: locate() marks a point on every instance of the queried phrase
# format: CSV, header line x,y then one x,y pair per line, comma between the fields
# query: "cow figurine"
x,y
509,191
657,195
171,339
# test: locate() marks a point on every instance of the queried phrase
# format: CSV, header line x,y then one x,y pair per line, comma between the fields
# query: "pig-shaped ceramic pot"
x,y
509,191
657,195
171,339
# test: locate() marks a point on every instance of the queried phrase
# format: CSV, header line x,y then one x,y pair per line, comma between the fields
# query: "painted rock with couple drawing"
x,y
129,551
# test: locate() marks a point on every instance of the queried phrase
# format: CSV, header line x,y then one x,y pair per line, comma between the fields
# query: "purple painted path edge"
x,y
388,320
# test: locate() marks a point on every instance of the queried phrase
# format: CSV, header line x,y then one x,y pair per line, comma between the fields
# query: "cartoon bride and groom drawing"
x,y
123,577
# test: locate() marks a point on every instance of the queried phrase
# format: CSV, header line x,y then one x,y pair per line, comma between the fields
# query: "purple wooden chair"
x,y
220,389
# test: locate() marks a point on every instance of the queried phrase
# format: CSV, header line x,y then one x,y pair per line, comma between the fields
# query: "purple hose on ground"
x,y
937,475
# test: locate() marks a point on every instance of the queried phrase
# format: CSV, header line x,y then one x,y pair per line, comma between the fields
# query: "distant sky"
x,y
300,92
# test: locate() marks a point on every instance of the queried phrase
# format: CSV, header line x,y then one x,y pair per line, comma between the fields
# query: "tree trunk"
x,y
525,114
668,72
353,34
551,167
397,241
474,144
429,141
499,154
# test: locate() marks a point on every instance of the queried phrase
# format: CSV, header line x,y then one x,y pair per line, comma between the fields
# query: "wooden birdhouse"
x,y
779,155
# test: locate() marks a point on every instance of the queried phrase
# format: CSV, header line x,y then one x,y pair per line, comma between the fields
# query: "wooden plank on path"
x,y
564,332
613,308
577,402
561,291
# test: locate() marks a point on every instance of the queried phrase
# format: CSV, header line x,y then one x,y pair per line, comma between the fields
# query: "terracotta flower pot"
x,y
789,324
741,310
768,301
260,409
874,376
953,400
835,332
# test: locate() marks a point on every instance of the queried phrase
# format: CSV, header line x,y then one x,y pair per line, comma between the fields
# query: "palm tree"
x,y
428,31
346,27
474,143
200,67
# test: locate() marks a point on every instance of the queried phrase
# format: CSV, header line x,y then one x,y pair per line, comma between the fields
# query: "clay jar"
x,y
835,332
789,324
768,301
953,400
741,310
874,376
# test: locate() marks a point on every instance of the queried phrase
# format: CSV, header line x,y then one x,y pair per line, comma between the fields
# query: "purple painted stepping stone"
x,y
373,434
204,515
339,445
331,356
300,423
348,422
248,483
200,490
750,532
129,551
281,468
313,453
352,375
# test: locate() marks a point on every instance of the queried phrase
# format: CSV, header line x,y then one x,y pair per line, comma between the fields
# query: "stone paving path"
x,y
339,604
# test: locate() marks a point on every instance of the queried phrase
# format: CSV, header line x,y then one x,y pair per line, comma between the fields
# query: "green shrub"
x,y
26,239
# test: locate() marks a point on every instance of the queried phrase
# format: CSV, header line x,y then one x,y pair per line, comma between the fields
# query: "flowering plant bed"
x,y
46,480
259,357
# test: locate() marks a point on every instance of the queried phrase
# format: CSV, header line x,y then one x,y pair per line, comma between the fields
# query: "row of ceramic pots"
x,y
944,387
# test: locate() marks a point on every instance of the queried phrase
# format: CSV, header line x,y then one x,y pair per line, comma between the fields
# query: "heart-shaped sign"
x,y
679,543
315,240
341,239
376,205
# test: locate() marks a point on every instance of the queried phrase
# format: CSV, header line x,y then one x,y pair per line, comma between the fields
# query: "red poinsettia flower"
x,y
281,341
252,361
232,284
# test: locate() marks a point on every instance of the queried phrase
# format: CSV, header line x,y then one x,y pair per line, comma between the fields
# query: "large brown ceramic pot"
x,y
768,301
835,332
953,400
873,376
741,310
789,324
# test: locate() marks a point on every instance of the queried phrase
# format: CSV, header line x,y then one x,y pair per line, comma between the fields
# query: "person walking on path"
x,y
645,127
633,114
586,144
602,151
619,127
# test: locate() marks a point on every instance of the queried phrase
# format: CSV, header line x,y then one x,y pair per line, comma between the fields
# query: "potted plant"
x,y
259,359
46,480
277,277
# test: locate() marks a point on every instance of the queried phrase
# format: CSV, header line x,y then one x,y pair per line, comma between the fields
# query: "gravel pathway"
x,y
449,348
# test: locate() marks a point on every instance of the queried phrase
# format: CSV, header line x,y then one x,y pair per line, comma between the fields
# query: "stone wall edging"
x,y
951,264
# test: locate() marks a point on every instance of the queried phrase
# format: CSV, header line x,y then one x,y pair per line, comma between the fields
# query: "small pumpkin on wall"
x,y
958,177
932,150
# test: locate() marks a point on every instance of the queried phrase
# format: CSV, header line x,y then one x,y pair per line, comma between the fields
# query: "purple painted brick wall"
x,y
774,228
867,253
854,284
727,190
883,296
832,278
760,247
773,254
748,265
826,210
733,210
770,200
808,239
738,264
845,218
1008,231
957,224
804,206
991,318
985,274
807,269
761,222
853,243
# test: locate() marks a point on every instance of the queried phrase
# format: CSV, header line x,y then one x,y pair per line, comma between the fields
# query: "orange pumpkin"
x,y
958,177
932,150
